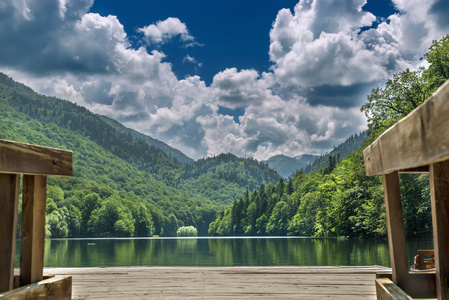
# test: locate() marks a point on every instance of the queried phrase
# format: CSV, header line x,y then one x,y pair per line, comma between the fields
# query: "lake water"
x,y
257,251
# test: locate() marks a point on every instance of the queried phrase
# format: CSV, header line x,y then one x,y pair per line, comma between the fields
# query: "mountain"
x,y
226,177
123,185
170,151
351,144
306,158
287,166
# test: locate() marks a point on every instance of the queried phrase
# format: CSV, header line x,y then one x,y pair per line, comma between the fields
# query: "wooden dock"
x,y
221,282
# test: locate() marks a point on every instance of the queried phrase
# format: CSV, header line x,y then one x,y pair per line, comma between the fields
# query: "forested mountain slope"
x,y
104,189
78,119
339,199
122,186
227,175
351,144
287,166
172,152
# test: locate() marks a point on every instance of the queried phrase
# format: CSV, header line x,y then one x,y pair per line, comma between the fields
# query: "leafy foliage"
x,y
187,231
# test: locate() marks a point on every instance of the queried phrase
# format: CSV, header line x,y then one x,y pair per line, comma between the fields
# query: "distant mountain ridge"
x,y
287,166
351,144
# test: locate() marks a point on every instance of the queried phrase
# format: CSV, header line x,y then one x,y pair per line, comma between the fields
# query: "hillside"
x,y
226,177
122,185
287,166
351,144
67,115
170,151
101,182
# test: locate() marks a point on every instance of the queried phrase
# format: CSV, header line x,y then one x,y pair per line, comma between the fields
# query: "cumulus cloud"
x,y
319,44
234,89
324,45
326,56
163,31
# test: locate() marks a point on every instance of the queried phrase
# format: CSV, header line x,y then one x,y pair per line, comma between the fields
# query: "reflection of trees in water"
x,y
219,252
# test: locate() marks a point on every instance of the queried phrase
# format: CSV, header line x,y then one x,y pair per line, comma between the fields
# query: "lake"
x,y
245,251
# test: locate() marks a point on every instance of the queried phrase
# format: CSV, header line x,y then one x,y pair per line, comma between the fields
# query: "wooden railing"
x,y
418,143
35,163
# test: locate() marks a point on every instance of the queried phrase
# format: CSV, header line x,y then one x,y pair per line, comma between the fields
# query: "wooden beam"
x,y
421,284
18,158
9,200
417,170
52,288
387,290
417,140
439,196
33,229
396,231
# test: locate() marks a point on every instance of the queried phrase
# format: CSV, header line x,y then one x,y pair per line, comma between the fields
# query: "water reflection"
x,y
292,251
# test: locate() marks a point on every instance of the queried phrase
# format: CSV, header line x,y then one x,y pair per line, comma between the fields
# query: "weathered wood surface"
x,y
222,282
19,158
387,290
48,289
33,229
9,201
417,140
395,226
439,195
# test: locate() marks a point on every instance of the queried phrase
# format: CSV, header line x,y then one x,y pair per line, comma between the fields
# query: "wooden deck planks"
x,y
221,282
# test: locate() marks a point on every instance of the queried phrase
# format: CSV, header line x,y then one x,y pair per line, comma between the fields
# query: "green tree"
x,y
91,202
438,58
402,94
251,217
104,219
170,226
187,231
144,223
57,224
55,193
124,227
73,221
278,221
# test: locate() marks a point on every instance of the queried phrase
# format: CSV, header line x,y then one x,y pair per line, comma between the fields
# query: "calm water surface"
x,y
269,251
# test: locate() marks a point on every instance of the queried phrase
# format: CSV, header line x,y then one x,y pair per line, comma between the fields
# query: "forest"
x,y
122,184
339,199
125,184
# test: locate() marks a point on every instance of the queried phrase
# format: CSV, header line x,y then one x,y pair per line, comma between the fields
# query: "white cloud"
x,y
323,66
320,44
163,31
235,89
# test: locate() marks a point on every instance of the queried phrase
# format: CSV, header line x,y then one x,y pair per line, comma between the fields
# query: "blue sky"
x,y
255,78
232,33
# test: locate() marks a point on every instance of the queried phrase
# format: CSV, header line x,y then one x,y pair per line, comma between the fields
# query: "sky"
x,y
253,78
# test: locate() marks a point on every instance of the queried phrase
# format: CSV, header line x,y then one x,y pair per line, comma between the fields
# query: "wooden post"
x,y
396,231
33,229
439,195
9,201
